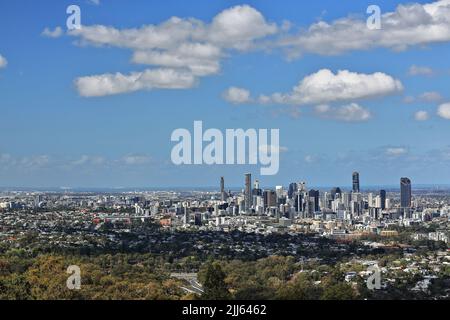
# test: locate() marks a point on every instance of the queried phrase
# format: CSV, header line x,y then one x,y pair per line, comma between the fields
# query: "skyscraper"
x,y
222,189
336,193
355,179
270,198
383,199
405,193
292,189
248,192
314,198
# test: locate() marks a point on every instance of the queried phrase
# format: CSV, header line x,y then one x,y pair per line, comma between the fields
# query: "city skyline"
x,y
210,158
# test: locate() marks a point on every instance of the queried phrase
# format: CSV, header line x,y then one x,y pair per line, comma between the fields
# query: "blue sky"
x,y
55,132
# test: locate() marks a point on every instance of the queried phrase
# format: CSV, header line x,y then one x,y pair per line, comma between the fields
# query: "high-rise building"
x,y
336,193
222,189
279,190
292,189
383,199
370,200
248,192
314,198
405,193
270,198
355,178
256,189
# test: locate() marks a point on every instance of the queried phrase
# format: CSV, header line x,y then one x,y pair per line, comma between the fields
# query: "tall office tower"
x,y
370,200
222,189
256,185
405,193
346,199
355,177
248,192
378,202
256,190
270,198
336,193
298,202
279,190
383,199
301,187
186,216
292,189
314,197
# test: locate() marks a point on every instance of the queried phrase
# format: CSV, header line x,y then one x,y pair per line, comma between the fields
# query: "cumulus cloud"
x,y
238,27
420,71
348,113
110,84
3,62
421,115
409,25
431,96
200,59
396,151
56,33
444,111
237,95
325,86
184,45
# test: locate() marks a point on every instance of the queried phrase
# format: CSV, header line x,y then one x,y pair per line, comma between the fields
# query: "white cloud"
x,y
272,149
95,2
3,62
26,162
396,151
200,59
444,111
431,96
237,95
421,115
136,160
185,45
89,160
324,86
409,25
37,162
34,161
310,158
56,33
348,113
420,71
110,84
238,27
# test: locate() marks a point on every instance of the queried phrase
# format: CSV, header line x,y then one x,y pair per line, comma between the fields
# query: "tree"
x,y
214,284
339,291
